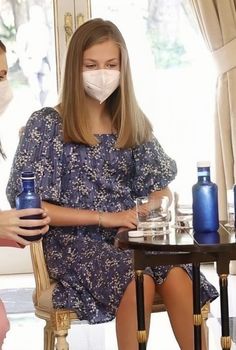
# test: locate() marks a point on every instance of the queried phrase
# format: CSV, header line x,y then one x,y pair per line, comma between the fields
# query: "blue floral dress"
x,y
92,274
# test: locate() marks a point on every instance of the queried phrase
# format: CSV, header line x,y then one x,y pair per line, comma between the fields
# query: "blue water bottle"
x,y
205,201
28,198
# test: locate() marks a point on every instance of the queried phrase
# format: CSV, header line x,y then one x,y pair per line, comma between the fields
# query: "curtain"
x,y
217,22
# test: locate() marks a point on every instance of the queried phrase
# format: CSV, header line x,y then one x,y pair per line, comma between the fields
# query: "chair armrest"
x,y
42,280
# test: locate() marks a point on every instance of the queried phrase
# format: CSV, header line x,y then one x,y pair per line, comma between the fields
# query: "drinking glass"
x,y
183,212
230,209
153,214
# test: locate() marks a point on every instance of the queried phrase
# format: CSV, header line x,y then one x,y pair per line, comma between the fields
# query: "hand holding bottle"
x,y
29,198
11,223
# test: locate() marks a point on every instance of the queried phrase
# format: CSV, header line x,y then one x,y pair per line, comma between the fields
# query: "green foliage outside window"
x,y
167,53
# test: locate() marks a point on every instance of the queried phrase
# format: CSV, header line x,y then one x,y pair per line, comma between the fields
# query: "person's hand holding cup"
x,y
153,214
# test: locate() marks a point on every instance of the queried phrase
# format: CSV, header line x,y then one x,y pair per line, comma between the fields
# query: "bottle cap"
x,y
203,164
27,175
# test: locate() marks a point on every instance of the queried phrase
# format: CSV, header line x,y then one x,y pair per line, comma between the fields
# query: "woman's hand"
x,y
125,219
11,224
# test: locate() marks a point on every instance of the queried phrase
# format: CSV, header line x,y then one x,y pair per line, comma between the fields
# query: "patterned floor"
x,y
27,330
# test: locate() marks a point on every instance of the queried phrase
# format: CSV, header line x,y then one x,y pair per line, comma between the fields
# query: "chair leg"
x,y
205,311
61,343
49,338
60,320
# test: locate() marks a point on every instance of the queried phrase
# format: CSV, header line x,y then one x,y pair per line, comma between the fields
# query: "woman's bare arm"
x,y
64,216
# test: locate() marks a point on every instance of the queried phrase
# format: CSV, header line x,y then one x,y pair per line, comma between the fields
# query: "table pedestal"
x,y
141,333
184,247
222,267
197,316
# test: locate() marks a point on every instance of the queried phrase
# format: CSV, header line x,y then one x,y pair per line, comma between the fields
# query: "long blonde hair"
x,y
130,123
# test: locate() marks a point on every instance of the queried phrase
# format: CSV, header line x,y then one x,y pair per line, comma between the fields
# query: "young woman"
x,y
93,155
10,220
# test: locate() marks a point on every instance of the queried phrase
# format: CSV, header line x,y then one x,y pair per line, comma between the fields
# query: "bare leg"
x,y
176,292
126,317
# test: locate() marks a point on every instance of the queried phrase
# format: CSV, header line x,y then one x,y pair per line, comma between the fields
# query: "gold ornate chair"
x,y
58,321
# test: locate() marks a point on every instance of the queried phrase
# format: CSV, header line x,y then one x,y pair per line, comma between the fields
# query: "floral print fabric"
x,y
92,274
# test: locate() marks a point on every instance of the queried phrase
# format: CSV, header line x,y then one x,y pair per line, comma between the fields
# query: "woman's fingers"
x,y
27,212
21,241
13,224
32,232
34,222
45,229
128,218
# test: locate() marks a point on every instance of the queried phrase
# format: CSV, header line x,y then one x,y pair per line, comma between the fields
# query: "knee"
x,y
177,284
177,274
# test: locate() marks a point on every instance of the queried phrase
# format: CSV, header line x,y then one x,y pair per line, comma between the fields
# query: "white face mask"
x,y
5,95
101,83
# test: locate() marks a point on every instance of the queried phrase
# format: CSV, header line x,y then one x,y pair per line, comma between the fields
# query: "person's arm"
x,y
40,150
61,216
154,170
11,223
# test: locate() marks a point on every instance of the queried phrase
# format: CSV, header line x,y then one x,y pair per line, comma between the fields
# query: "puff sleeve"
x,y
40,150
154,169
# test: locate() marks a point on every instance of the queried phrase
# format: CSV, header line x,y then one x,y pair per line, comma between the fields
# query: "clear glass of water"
x,y
230,209
183,212
153,214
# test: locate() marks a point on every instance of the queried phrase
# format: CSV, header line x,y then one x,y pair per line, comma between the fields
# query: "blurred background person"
x,y
33,43
5,88
10,220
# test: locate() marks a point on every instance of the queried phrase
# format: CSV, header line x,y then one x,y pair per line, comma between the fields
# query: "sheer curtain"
x,y
217,22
